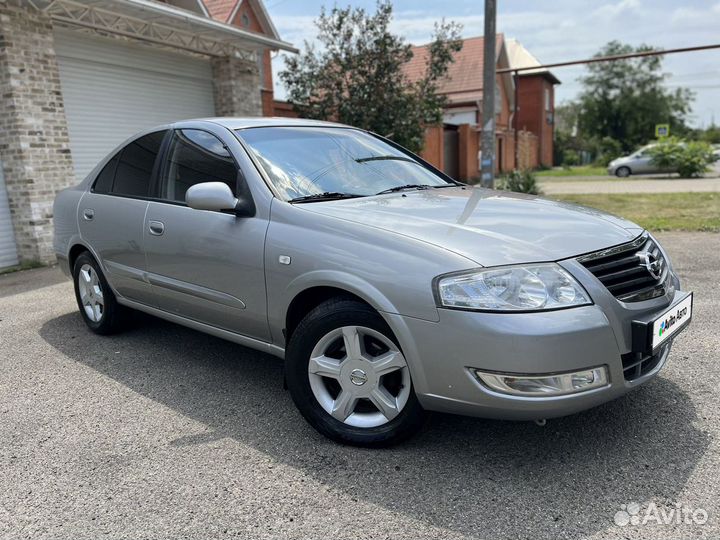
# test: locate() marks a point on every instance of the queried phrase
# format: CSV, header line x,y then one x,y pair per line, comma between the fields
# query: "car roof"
x,y
258,121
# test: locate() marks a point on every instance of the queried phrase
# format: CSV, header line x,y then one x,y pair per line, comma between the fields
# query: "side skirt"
x,y
206,328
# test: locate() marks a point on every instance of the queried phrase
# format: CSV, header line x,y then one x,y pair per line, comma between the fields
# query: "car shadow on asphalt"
x,y
565,479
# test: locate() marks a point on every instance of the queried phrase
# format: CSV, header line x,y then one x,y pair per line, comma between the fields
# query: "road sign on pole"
x,y
662,130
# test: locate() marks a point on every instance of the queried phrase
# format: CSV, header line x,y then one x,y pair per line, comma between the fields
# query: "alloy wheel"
x,y
91,294
359,376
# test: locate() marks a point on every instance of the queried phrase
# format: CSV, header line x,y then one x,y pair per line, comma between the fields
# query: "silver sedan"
x,y
388,288
639,162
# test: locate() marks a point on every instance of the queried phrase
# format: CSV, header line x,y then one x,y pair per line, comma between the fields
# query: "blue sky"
x,y
557,30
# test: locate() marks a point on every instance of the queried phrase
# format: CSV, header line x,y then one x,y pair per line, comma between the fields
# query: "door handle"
x,y
88,214
156,227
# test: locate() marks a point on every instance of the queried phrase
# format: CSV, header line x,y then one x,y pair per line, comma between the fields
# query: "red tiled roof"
x,y
464,79
220,10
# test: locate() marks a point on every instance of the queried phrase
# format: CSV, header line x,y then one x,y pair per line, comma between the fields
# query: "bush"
x,y
570,158
519,182
607,150
689,159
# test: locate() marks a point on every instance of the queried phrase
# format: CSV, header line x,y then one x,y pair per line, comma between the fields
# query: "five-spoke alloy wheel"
x,y
91,294
348,376
353,367
97,303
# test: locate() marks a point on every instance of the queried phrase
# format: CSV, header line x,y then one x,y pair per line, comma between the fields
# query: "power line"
x,y
610,58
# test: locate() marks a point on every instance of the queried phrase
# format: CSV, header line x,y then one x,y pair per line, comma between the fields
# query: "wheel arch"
x,y
78,246
75,252
310,290
308,299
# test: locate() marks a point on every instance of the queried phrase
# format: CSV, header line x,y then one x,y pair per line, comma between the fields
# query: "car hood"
x,y
489,227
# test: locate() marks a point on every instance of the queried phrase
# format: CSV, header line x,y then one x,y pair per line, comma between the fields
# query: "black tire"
x,y
328,316
622,172
113,317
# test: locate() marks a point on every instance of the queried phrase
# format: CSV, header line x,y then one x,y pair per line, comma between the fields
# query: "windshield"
x,y
641,151
306,161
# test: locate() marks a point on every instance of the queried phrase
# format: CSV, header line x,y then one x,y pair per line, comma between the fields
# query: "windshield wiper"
x,y
385,158
325,196
402,188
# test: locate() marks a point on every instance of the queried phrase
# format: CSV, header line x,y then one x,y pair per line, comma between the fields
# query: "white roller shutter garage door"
x,y
8,250
113,89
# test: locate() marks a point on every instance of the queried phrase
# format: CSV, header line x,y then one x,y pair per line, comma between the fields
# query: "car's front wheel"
x,y
622,172
349,378
95,299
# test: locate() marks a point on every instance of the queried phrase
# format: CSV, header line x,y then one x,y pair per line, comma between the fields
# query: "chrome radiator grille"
x,y
632,272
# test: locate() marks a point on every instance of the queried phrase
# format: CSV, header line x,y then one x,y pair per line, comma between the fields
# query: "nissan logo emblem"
x,y
651,263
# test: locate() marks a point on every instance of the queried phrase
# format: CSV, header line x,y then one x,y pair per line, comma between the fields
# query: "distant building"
x,y
454,146
536,99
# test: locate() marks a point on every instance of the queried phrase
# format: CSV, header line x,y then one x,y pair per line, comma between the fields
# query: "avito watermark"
x,y
679,514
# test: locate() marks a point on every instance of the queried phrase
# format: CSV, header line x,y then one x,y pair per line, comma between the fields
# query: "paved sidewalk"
x,y
666,185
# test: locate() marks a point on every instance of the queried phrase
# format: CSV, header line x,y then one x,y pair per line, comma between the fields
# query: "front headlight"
x,y
532,287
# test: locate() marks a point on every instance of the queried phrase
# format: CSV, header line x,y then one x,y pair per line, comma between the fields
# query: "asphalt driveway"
x,y
163,432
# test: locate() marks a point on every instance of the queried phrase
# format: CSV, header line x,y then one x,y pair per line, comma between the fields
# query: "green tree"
x,y
356,75
624,99
711,134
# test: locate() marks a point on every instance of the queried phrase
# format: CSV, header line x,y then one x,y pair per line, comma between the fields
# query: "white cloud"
x,y
611,11
568,30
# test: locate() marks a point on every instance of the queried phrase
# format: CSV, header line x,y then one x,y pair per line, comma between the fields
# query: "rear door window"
x,y
135,166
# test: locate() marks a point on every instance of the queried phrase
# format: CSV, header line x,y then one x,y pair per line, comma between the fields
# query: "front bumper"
x,y
440,355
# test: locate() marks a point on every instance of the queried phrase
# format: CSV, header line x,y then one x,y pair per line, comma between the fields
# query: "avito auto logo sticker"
x,y
672,320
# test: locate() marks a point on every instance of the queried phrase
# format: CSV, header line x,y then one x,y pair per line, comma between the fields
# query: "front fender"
x,y
340,280
370,294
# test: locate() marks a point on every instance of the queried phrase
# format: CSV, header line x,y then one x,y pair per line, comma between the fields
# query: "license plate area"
x,y
648,336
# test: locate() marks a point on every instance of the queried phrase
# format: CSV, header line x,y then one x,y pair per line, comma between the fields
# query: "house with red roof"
x,y
250,15
454,147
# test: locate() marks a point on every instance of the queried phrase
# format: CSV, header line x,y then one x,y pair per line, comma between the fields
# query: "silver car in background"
x,y
388,288
639,162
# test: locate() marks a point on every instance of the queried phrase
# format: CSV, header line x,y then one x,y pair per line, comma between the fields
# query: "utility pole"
x,y
487,160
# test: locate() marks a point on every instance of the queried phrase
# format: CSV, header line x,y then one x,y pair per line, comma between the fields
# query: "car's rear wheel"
x,y
95,299
349,378
622,172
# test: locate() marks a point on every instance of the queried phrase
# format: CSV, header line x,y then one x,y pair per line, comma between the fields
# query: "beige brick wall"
x,y
236,84
34,143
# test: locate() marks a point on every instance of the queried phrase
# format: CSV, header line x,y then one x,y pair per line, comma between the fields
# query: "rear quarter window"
x,y
104,180
135,166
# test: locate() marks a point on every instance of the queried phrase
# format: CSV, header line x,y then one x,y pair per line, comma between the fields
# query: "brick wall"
x,y
34,143
236,84
284,109
527,150
468,146
432,151
532,115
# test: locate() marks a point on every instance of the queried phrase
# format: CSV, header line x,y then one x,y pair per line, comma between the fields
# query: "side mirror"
x,y
211,196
